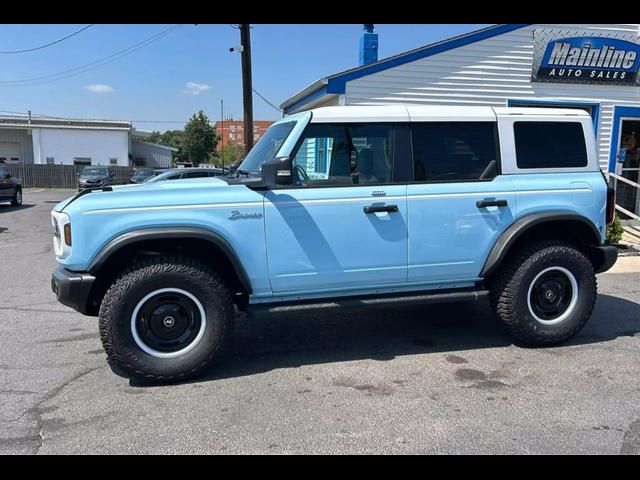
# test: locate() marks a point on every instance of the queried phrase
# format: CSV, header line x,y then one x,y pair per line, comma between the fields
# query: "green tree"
x,y
228,154
199,140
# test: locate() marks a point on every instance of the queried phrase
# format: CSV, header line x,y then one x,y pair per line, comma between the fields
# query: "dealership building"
x,y
593,67
67,141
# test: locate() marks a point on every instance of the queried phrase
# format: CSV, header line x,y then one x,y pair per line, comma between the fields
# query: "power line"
x,y
265,100
88,66
48,44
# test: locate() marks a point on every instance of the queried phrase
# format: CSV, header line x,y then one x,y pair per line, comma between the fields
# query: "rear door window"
x,y
550,145
454,151
195,175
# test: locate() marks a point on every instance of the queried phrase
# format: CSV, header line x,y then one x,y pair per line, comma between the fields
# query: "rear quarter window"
x,y
550,145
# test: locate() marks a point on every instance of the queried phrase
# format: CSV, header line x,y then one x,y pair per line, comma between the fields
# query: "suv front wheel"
x,y
16,201
544,293
165,319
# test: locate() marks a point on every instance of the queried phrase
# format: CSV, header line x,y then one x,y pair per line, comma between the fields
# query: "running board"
x,y
369,301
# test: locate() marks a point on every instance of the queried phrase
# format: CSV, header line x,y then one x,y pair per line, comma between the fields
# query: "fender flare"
x,y
157,233
522,225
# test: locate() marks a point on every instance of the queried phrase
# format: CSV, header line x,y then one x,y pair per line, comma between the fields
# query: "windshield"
x,y
143,172
95,171
267,147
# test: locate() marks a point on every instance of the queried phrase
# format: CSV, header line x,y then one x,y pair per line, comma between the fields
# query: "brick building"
x,y
232,131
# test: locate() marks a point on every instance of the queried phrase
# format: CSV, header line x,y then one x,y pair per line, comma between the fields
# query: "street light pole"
x,y
222,130
247,90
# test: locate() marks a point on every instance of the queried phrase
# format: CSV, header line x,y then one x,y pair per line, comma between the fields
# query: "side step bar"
x,y
370,301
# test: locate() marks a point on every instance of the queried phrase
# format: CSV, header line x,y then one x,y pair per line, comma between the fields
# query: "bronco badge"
x,y
236,215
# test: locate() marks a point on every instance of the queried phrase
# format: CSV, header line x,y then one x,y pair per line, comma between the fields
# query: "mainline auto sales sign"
x,y
562,58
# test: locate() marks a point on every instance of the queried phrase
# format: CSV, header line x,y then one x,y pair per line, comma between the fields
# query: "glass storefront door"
x,y
628,166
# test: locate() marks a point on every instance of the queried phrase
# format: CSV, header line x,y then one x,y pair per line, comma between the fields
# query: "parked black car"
x,y
94,177
181,173
10,188
142,174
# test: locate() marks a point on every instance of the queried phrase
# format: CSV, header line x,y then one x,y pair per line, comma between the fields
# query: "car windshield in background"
x,y
95,171
267,147
143,172
169,175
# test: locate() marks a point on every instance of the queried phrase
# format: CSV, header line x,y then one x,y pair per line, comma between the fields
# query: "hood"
x,y
140,195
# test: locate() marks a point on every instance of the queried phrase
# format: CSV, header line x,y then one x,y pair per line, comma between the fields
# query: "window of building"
x,y
550,145
82,160
232,136
50,161
113,161
232,128
345,154
454,151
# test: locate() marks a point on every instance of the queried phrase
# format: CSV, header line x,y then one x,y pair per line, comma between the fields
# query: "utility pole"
x,y
247,88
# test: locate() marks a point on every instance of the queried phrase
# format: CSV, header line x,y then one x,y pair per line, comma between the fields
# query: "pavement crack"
x,y
37,411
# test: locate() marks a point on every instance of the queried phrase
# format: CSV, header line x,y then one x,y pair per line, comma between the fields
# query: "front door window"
x,y
345,155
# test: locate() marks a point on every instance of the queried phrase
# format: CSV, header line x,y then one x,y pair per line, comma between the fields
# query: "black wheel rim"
x,y
551,295
168,322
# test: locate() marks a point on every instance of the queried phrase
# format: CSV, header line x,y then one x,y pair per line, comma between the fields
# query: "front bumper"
x,y
605,257
72,288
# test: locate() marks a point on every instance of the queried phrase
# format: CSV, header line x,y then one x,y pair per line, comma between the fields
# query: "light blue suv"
x,y
343,206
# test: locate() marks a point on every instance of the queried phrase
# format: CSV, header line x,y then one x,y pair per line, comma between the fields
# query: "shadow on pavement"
x,y
5,208
290,340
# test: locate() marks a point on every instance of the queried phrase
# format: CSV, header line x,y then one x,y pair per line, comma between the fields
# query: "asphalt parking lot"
x,y
442,379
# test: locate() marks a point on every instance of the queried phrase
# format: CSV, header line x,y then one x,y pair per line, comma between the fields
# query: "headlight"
x,y
61,234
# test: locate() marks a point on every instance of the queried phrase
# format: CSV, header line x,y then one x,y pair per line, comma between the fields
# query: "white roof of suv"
x,y
405,113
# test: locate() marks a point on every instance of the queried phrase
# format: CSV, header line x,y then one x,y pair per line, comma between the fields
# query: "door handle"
x,y
380,208
491,202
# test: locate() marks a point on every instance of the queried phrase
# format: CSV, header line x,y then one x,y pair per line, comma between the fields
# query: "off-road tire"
x,y
125,355
510,292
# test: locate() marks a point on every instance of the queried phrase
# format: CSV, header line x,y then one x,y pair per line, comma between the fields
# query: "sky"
x,y
184,69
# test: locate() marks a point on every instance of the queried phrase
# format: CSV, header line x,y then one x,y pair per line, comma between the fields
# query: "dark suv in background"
x,y
94,177
10,188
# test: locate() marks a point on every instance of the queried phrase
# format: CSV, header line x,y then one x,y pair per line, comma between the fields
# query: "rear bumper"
x,y
72,288
605,256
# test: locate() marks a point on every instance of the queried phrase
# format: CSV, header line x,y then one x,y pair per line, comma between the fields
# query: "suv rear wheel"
x,y
545,293
165,319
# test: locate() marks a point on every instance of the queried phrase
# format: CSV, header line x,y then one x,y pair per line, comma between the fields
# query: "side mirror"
x,y
8,176
278,171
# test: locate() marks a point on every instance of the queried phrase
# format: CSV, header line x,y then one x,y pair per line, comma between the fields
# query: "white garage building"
x,y
64,141
589,66
55,141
